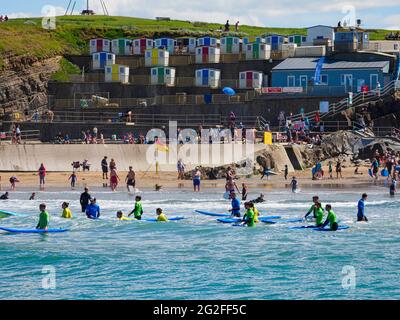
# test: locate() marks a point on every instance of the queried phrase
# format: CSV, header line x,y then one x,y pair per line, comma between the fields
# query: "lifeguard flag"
x,y
161,147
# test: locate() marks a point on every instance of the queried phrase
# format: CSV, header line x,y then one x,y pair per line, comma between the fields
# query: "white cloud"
x,y
16,15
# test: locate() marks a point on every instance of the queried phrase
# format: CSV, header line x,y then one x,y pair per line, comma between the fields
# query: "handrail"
x,y
342,105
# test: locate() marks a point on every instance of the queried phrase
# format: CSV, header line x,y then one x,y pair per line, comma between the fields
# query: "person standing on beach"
x,y
104,168
330,169
130,179
196,179
13,181
286,172
361,209
42,175
393,186
339,170
181,169
114,178
113,165
85,199
44,218
73,179
375,168
245,192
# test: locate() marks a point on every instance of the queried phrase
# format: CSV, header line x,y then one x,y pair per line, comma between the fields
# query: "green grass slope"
x,y
27,37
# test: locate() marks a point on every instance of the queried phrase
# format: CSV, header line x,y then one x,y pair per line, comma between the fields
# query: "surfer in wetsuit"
x,y
93,210
138,210
43,218
361,208
85,199
393,187
331,219
235,211
4,196
260,199
319,214
121,217
315,199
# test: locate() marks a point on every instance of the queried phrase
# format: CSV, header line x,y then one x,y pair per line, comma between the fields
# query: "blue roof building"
x,y
335,77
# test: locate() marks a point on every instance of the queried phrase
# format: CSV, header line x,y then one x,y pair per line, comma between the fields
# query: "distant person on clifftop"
x,y
227,26
237,26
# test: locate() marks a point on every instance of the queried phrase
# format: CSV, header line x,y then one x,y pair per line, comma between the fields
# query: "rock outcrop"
x,y
23,83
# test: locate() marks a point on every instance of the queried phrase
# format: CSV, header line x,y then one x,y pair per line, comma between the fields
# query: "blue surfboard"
x,y
5,214
370,173
328,229
169,219
212,214
33,230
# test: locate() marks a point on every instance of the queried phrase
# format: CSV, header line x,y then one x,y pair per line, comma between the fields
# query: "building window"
x,y
211,74
222,41
255,76
291,81
167,72
198,74
323,79
242,76
154,72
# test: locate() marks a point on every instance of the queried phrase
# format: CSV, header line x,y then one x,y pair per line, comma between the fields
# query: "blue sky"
x,y
275,13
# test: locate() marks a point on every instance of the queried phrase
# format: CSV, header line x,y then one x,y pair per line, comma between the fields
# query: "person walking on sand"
x,y
42,175
104,168
286,171
114,178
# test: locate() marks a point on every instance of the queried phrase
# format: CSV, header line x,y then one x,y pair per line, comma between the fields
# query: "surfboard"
x,y
290,220
169,219
370,173
235,220
33,230
384,173
262,219
213,214
6,214
328,229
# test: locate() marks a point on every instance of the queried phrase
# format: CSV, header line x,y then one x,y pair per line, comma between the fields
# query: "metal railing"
x,y
26,135
357,100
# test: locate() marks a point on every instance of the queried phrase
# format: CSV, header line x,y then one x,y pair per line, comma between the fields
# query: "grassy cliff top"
x,y
27,37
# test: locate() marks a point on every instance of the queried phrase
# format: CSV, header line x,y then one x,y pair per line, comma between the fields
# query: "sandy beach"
x,y
168,180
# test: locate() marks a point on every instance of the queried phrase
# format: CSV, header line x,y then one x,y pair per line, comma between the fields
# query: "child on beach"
x,y
44,218
248,218
161,217
73,179
66,214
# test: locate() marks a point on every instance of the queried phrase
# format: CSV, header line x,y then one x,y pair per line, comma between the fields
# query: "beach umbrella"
x,y
229,91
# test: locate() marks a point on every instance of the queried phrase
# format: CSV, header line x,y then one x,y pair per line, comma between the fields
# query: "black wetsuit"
x,y
85,199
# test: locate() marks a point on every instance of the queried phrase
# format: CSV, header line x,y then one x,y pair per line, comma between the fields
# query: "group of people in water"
x,y
91,209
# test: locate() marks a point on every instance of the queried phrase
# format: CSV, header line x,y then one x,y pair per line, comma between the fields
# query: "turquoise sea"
x,y
199,258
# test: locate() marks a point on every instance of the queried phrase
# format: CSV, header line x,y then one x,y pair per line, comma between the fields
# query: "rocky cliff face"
x,y
23,83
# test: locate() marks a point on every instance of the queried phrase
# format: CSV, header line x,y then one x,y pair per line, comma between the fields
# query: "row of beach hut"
x,y
227,45
206,54
206,77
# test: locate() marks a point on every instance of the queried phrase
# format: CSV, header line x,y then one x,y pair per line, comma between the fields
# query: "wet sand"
x,y
168,180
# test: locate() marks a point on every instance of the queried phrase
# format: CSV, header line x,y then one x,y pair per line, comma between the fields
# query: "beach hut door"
x,y
205,78
249,79
99,45
160,75
229,45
